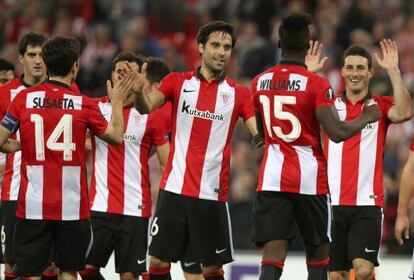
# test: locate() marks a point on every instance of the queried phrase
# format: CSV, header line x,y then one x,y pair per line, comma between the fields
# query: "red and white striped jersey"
x,y
120,176
355,166
204,116
287,96
11,180
53,121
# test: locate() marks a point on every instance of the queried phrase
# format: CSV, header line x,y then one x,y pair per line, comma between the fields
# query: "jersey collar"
x,y
57,83
366,97
292,62
26,84
201,77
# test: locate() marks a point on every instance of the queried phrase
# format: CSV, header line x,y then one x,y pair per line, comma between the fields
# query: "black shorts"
x,y
8,220
39,242
275,214
126,235
191,267
356,233
197,228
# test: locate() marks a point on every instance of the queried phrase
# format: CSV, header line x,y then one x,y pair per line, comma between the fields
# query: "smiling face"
x,y
216,52
356,73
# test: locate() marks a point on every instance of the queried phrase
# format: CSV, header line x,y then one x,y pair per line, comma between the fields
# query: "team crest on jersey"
x,y
136,119
330,94
225,97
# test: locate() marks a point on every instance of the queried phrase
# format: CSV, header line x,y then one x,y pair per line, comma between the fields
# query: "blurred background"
x,y
167,29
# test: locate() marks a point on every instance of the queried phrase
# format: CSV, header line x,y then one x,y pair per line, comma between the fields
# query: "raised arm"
x,y
402,224
402,110
313,59
338,130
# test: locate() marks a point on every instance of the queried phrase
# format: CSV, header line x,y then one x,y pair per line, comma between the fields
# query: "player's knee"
x,y
364,272
68,275
8,268
338,275
128,276
212,268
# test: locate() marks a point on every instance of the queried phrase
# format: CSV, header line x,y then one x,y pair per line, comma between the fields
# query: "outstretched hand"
x,y
389,58
313,59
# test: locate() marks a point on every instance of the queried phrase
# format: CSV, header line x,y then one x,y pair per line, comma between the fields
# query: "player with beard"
x,y
191,218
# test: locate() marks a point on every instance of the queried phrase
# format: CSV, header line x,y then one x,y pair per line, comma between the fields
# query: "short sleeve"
x,y
324,94
96,121
246,110
385,103
168,85
160,133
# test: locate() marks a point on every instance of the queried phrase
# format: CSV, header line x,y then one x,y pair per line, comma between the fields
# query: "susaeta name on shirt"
x,y
60,103
39,100
185,109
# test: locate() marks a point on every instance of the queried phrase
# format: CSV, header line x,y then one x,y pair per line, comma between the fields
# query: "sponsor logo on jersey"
x,y
185,109
129,137
369,126
59,103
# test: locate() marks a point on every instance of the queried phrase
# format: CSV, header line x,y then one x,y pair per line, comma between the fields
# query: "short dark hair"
x,y
357,50
215,26
294,33
30,39
127,56
60,53
6,65
157,69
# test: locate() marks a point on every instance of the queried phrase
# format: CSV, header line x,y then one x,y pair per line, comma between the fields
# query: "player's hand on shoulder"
x,y
313,59
371,111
